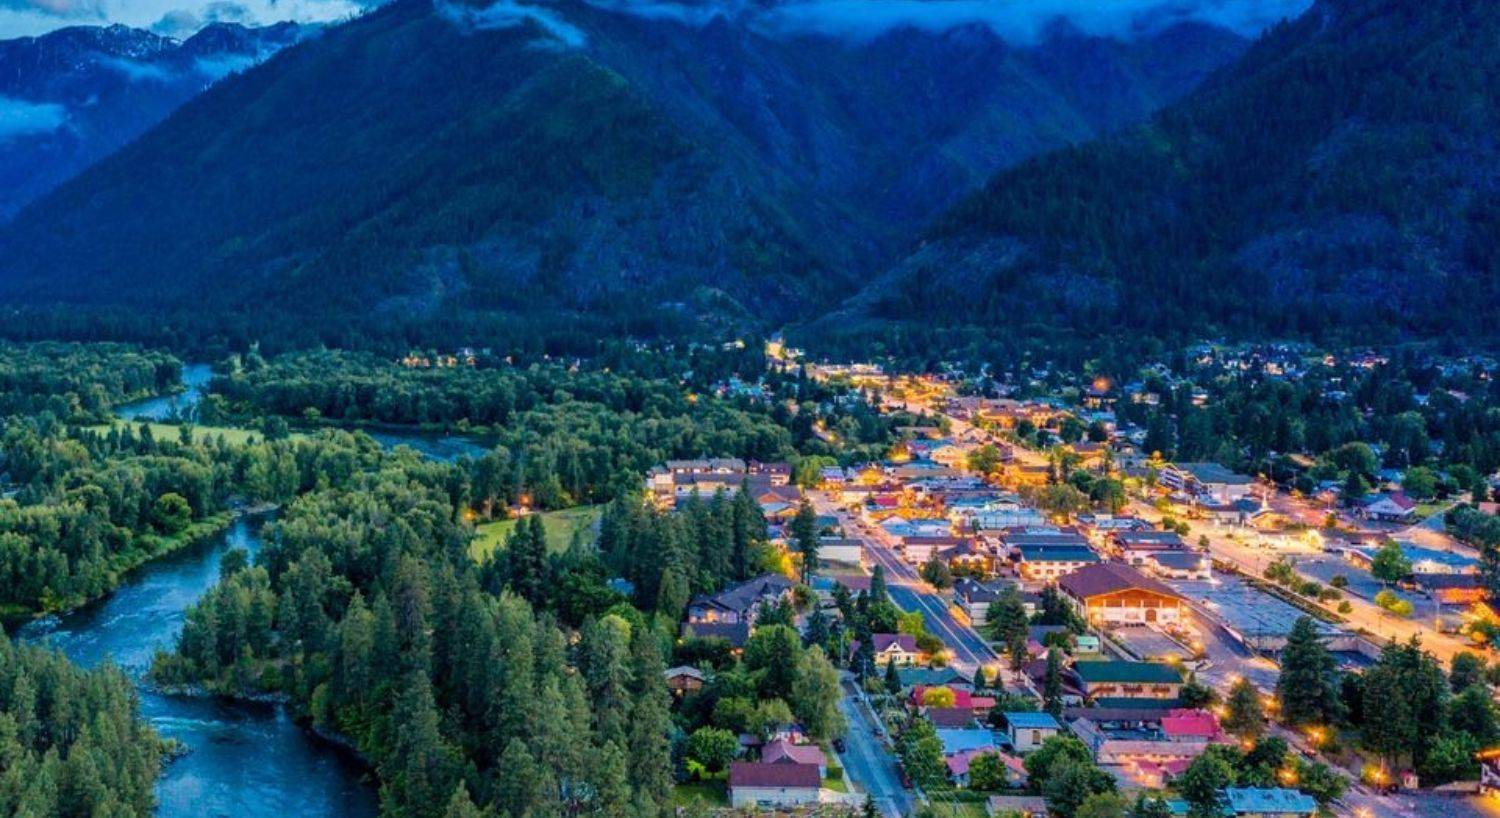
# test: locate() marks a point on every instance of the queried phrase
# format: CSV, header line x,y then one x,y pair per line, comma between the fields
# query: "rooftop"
x,y
1109,578
1273,800
1127,672
1057,553
1022,720
793,775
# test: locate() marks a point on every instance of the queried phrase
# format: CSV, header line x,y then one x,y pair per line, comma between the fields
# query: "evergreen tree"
x,y
650,756
1307,688
804,531
1052,683
892,677
1244,716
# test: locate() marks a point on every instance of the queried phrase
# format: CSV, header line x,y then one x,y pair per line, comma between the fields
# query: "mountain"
x,y
74,95
577,157
1342,177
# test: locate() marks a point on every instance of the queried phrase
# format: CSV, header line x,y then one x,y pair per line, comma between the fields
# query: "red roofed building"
x,y
979,705
782,751
757,784
1187,725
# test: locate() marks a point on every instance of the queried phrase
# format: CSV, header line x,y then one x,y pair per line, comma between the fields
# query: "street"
x,y
867,762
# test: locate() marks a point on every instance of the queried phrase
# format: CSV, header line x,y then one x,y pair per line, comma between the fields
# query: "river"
x,y
195,378
245,760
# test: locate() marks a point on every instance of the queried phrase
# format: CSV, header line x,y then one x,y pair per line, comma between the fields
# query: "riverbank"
x,y
121,566
246,758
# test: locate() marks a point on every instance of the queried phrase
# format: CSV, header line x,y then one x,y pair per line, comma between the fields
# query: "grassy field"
x,y
559,526
711,793
169,431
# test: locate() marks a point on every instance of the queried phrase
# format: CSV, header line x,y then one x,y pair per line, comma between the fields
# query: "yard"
x,y
559,526
712,793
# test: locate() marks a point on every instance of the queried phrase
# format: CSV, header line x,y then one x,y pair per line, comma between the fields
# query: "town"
x,y
1035,613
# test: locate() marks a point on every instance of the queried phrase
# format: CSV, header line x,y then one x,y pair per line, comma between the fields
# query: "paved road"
x,y
911,593
867,762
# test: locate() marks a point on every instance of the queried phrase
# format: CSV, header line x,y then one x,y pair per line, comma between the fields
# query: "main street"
x,y
911,593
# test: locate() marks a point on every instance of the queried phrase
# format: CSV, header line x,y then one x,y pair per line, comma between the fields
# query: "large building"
x,y
1112,594
1048,562
1127,680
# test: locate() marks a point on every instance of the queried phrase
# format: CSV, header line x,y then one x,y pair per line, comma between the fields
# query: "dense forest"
x,y
71,741
1437,423
1332,181
79,383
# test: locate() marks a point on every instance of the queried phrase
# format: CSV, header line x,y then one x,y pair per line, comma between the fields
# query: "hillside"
x,y
1342,176
77,94
425,157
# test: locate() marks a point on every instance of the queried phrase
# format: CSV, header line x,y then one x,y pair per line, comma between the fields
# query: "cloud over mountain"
x,y
1020,21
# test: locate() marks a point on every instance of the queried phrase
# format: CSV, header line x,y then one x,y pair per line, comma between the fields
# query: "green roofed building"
x,y
1128,680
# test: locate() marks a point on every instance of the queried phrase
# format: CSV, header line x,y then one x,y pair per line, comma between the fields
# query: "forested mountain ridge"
x,y
430,155
72,96
1342,174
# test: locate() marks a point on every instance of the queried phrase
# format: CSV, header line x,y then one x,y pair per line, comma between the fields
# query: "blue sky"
x,y
20,18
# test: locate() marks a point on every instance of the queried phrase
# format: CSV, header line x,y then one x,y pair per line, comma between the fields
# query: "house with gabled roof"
x,y
900,648
1394,507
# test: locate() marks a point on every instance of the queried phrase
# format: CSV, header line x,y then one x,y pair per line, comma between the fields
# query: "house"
x,y
739,603
1135,547
1239,512
959,763
900,648
967,739
951,717
1452,589
1180,565
1430,561
1114,594
840,549
1393,507
1135,737
783,751
933,677
683,679
1027,731
965,698
1127,680
967,555
758,784
1042,562
919,549
1006,514
1268,802
974,598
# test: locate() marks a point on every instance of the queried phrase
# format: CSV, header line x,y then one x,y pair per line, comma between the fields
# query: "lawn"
x,y
559,526
950,809
712,793
169,431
